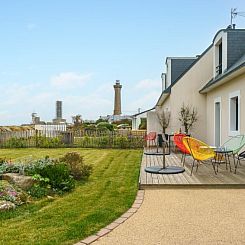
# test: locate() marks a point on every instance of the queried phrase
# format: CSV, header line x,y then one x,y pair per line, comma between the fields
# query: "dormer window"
x,y
220,54
219,67
164,81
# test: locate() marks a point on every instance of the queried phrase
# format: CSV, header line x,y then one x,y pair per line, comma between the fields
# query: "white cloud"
x,y
68,80
147,84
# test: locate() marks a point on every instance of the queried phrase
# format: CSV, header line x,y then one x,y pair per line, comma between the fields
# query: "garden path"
x,y
184,216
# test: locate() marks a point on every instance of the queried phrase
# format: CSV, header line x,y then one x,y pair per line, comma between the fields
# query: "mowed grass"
x,y
108,193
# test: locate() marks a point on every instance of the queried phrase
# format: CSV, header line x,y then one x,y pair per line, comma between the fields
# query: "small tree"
x,y
163,118
77,120
187,116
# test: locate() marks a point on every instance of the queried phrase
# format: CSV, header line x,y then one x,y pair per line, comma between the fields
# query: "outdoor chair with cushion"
x,y
178,141
235,144
199,151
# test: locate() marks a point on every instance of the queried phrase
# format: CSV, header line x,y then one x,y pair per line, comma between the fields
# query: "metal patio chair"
x,y
151,137
199,151
235,144
178,141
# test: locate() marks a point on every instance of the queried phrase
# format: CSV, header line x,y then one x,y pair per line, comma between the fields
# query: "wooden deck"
x,y
204,177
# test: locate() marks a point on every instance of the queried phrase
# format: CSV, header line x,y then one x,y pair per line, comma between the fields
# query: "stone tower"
x,y
117,98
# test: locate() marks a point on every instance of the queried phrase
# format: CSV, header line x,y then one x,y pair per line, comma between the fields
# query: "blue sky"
x,y
75,50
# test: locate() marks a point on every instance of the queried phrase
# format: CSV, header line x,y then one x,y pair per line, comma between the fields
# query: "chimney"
x,y
117,98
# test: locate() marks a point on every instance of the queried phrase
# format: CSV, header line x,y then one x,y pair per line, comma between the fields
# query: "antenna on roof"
x,y
234,14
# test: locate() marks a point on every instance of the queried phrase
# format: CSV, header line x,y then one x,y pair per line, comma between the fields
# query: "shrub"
x,y
122,142
48,142
16,143
6,167
50,173
35,167
79,170
38,191
59,177
105,125
104,141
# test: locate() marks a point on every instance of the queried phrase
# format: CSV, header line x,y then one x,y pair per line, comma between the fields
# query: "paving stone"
x,y
141,192
80,243
138,201
90,239
103,232
127,215
120,220
132,210
136,205
112,226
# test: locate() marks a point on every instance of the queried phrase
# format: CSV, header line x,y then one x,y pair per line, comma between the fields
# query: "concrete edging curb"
x,y
104,231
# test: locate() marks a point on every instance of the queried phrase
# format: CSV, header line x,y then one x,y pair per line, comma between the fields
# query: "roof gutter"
x,y
239,70
162,98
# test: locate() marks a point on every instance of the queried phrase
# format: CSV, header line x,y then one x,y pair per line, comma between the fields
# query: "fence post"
x,y
36,138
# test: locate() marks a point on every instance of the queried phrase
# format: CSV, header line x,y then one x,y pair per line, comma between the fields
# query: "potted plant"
x,y
187,117
164,119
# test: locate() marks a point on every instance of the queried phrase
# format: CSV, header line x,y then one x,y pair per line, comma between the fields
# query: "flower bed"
x,y
49,177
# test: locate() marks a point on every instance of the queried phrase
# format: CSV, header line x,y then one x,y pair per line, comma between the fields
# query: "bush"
x,y
6,167
35,167
47,142
50,174
122,142
79,170
59,177
16,143
38,191
106,125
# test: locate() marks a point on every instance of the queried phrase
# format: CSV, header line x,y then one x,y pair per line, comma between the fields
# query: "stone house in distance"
x,y
213,83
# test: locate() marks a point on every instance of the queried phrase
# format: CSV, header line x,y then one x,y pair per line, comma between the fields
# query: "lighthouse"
x,y
117,98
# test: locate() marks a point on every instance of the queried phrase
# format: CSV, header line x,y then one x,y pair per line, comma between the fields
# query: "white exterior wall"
x,y
153,122
186,91
235,85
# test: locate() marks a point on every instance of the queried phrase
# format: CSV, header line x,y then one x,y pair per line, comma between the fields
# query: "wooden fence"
x,y
78,138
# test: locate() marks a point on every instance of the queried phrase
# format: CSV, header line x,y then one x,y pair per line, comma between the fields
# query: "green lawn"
x,y
110,191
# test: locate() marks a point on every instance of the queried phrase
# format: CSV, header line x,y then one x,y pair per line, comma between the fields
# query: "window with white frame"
x,y
234,113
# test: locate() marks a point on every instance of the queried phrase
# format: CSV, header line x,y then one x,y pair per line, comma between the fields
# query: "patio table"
x,y
220,152
163,169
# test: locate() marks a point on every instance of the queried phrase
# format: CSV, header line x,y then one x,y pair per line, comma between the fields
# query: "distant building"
x,y
51,127
137,118
36,119
58,119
